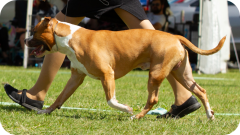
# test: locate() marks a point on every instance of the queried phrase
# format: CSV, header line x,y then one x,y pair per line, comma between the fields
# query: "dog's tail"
x,y
191,46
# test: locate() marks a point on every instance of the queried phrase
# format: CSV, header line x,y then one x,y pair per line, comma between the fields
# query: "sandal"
x,y
186,108
22,99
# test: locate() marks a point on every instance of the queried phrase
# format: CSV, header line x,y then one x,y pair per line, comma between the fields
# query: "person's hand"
x,y
19,30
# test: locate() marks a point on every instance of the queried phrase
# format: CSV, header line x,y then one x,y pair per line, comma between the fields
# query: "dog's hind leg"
x,y
72,84
108,83
184,75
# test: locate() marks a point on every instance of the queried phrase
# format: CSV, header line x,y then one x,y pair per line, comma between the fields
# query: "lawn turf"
x,y
223,93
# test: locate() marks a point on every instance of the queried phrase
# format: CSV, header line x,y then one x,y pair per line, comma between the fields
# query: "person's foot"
x,y
186,108
22,99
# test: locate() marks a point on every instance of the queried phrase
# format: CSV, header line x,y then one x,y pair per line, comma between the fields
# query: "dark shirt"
x,y
4,38
20,13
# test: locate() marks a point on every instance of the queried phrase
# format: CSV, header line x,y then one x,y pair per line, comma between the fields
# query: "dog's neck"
x,y
62,43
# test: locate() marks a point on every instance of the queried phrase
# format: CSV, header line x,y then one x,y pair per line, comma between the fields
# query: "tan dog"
x,y
107,55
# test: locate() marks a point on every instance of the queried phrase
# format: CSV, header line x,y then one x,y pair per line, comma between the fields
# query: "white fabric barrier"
x,y
215,26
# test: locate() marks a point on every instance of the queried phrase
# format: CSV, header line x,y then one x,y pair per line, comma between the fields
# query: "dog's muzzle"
x,y
28,39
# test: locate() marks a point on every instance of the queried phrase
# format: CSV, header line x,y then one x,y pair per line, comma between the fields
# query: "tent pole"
x,y
28,28
235,50
199,29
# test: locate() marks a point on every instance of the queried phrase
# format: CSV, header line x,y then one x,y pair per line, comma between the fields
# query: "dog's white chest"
x,y
80,67
63,47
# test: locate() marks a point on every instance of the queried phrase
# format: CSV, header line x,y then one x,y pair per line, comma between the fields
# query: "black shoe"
x,y
187,107
22,99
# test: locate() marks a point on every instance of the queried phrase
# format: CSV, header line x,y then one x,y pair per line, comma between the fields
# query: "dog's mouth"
x,y
40,47
38,51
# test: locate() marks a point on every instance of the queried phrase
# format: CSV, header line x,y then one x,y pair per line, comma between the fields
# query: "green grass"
x,y
132,90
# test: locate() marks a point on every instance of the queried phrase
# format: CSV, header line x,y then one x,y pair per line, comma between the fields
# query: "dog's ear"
x,y
47,18
46,21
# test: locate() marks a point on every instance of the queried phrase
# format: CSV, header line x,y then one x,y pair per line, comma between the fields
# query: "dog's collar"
x,y
55,35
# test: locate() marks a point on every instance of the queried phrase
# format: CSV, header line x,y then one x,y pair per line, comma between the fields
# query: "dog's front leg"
x,y
108,83
72,84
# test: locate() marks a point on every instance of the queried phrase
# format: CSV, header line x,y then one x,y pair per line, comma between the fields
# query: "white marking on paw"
x,y
209,112
212,118
133,117
114,104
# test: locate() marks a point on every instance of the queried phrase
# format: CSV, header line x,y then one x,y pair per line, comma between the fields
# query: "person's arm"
x,y
19,30
160,21
157,26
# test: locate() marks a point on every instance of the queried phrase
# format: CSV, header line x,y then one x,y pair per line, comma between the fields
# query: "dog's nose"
x,y
28,39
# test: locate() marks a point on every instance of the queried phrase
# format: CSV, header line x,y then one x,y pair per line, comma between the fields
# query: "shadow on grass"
x,y
72,114
83,114
97,115
12,108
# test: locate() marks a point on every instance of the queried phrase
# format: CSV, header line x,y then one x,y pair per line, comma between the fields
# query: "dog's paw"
x,y
130,110
210,115
137,117
212,118
133,117
46,111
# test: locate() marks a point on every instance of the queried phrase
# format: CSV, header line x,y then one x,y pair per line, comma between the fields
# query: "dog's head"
x,y
43,37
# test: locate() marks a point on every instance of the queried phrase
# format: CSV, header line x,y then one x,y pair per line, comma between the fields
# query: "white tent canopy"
x,y
214,26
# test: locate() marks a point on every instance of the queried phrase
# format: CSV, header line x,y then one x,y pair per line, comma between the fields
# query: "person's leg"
x,y
22,38
132,22
181,94
51,65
